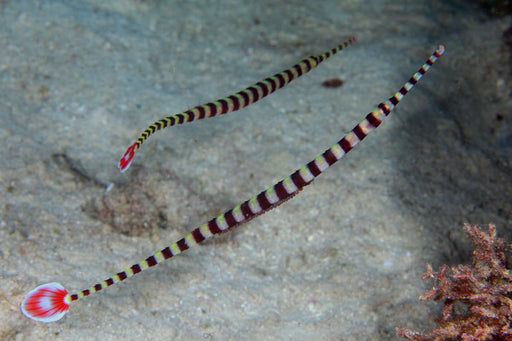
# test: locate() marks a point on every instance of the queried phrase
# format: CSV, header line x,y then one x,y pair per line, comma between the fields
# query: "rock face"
x,y
84,78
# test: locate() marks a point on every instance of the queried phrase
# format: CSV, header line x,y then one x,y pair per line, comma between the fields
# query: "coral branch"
x,y
483,290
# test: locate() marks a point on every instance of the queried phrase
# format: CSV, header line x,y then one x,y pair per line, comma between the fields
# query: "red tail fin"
x,y
46,303
127,158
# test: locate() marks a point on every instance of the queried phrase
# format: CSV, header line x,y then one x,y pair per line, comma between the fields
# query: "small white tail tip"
x,y
46,303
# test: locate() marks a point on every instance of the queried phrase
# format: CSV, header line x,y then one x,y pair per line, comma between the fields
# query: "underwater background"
x,y
343,260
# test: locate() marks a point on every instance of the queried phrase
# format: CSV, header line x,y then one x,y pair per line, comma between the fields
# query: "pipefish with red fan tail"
x,y
50,302
234,102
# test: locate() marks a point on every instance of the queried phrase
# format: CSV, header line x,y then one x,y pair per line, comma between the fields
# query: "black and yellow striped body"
x,y
277,194
233,102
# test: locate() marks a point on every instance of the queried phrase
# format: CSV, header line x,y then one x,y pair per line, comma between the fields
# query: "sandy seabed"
x,y
80,80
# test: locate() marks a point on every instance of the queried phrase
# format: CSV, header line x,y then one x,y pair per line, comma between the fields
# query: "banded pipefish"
x,y
50,302
234,102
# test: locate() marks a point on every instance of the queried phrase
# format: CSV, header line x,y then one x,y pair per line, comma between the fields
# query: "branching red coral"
x,y
477,298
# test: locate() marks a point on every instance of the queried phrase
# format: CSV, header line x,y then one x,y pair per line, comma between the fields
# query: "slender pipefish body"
x,y
50,302
234,102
